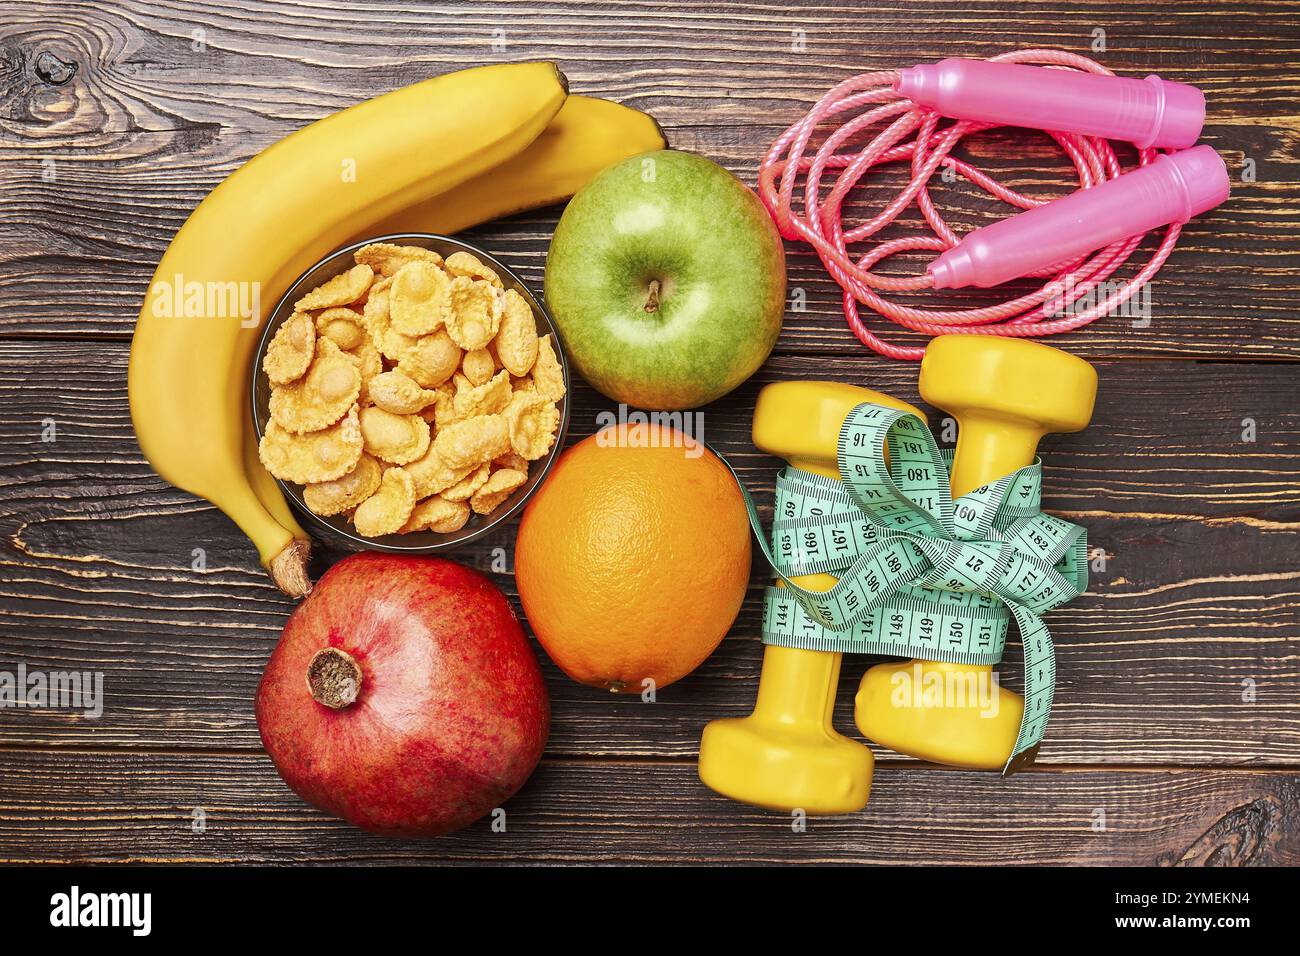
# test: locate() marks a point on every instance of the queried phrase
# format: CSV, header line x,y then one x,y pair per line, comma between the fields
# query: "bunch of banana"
x,y
586,135
494,140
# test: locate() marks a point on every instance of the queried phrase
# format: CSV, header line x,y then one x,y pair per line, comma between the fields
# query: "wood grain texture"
x,y
1178,702
93,807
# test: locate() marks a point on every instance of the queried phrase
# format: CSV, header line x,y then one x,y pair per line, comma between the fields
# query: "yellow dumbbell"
x,y
1005,394
786,755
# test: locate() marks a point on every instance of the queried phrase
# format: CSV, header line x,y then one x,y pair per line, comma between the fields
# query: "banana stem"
x,y
289,568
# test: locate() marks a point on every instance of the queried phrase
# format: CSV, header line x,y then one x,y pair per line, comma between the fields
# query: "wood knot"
x,y
1244,836
53,70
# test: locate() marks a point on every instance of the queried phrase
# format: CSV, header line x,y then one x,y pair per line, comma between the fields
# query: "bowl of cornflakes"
x,y
409,393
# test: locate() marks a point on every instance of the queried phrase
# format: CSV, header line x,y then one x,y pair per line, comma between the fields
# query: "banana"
x,y
587,135
292,568
262,227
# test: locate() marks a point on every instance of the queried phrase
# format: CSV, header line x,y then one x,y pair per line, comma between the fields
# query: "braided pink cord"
x,y
821,225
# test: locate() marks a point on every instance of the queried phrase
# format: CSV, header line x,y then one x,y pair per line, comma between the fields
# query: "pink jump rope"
x,y
1081,104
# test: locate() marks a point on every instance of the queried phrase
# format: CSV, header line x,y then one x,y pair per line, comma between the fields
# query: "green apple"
x,y
666,278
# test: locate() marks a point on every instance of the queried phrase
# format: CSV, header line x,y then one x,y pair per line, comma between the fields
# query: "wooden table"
x,y
1176,733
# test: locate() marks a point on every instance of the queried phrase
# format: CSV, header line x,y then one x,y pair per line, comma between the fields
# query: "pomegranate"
x,y
403,696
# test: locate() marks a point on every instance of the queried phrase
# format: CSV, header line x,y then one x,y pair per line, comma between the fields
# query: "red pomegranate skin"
x,y
452,714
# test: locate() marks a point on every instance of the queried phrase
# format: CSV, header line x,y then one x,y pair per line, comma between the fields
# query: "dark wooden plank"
x,y
148,124
154,65
96,807
1197,598
1196,605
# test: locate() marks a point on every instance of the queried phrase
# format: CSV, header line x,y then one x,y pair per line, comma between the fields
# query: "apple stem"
x,y
333,678
652,299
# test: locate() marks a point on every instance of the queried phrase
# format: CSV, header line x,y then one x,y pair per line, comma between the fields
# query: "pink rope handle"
x,y
821,225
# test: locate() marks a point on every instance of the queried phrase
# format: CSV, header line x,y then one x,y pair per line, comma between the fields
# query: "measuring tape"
x,y
919,574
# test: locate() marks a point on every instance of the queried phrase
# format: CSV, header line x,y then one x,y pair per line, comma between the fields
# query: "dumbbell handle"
x,y
797,686
800,684
987,449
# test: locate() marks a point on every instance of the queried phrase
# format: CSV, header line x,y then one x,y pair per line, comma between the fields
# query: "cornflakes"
x,y
398,393
341,290
473,441
386,259
314,457
444,406
433,475
547,374
533,422
387,509
396,439
488,399
473,313
478,365
516,341
418,298
512,460
342,494
430,359
342,325
369,363
471,483
291,349
378,317
379,288
439,515
496,490
322,396
467,265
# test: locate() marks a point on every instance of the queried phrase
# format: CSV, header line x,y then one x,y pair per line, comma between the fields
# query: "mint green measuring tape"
x,y
920,575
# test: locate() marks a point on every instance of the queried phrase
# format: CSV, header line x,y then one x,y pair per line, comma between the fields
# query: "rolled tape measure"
x,y
919,574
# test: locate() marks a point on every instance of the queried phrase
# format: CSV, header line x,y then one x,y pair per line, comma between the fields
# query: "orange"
x,y
633,558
